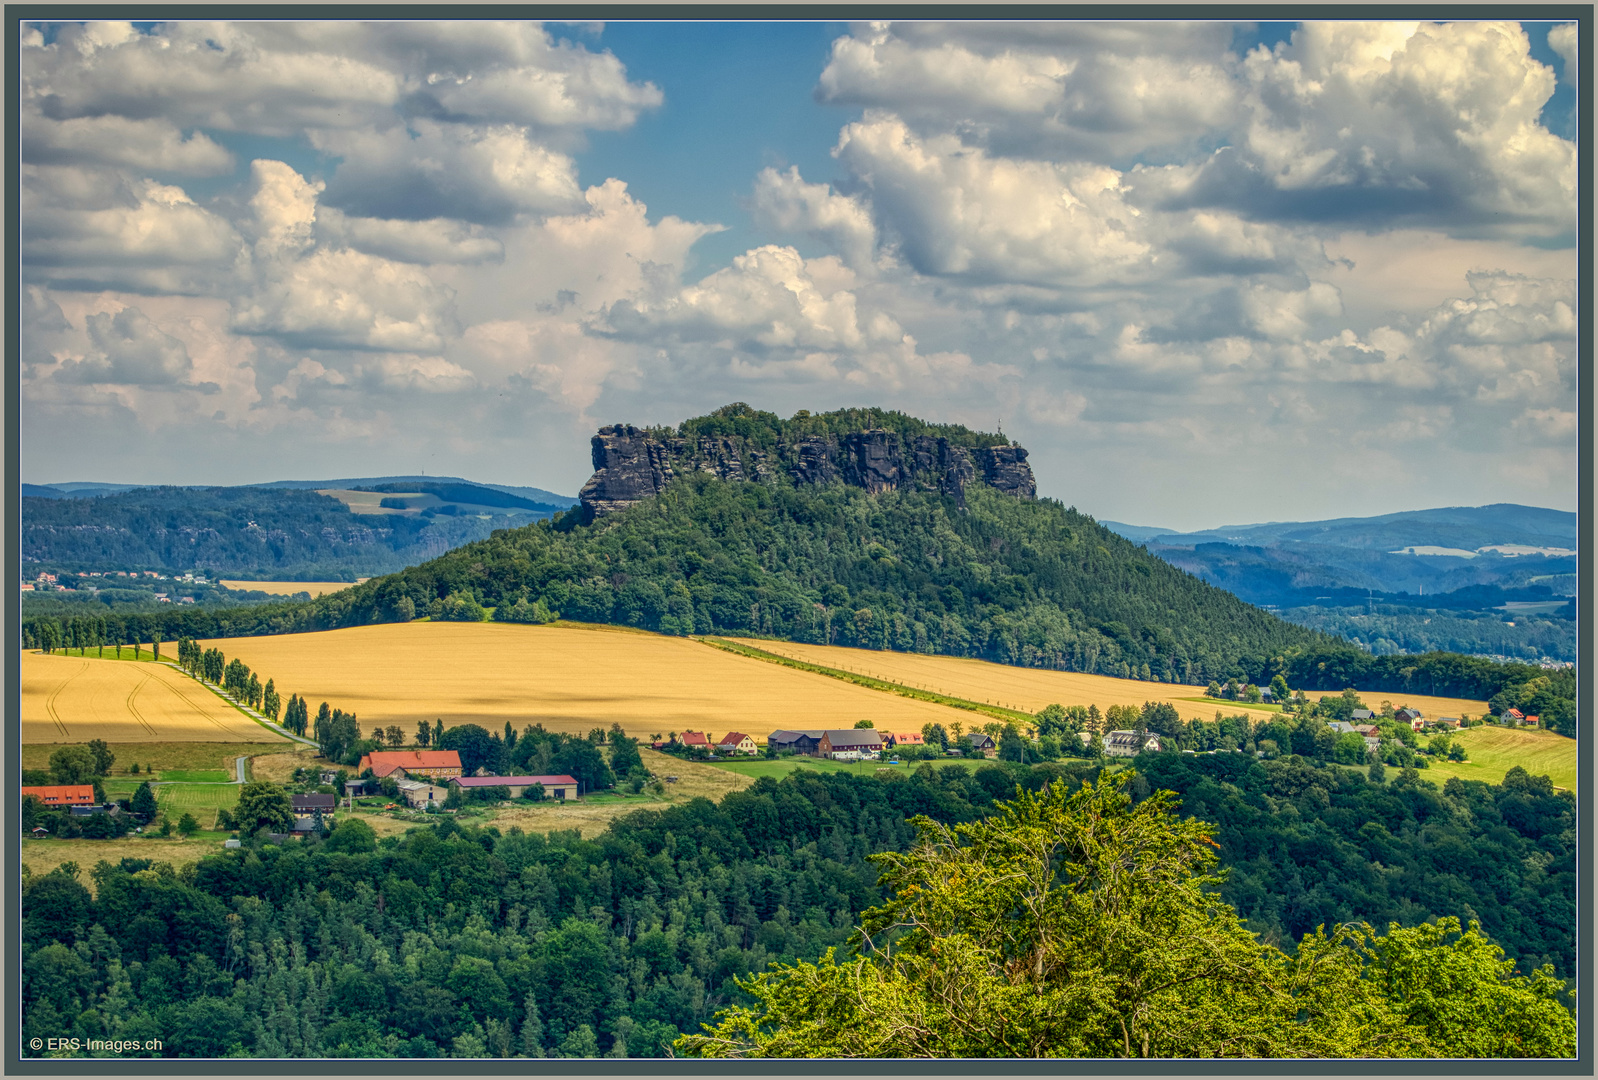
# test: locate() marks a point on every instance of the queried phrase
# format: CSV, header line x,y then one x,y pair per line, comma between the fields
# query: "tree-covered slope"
x,y
1017,581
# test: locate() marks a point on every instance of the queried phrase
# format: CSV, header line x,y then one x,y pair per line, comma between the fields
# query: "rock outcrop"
x,y
631,464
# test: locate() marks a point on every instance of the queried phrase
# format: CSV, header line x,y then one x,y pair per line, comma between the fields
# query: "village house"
x,y
798,742
982,743
692,739
558,787
1367,730
62,794
860,742
736,742
310,804
1450,722
421,794
1342,727
1363,714
1409,716
1513,717
410,764
1130,743
904,738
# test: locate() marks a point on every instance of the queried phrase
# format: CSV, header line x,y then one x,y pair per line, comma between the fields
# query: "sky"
x,y
1206,273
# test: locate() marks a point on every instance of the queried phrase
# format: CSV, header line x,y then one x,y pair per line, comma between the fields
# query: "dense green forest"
x,y
1390,629
1016,581
458,941
281,533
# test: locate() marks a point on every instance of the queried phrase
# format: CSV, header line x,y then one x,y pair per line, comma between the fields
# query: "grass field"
x,y
1220,703
42,856
200,776
567,678
1030,689
68,699
1493,751
289,588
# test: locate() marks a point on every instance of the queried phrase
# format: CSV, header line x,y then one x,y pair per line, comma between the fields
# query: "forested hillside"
x,y
454,941
1016,581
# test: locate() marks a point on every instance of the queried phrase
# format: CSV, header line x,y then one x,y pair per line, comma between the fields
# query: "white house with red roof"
x,y
429,764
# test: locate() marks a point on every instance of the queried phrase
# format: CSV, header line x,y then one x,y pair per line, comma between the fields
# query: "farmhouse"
x,y
436,764
1363,714
799,742
62,794
736,742
904,738
1406,715
310,804
982,743
422,794
1514,717
1130,743
861,742
558,787
695,738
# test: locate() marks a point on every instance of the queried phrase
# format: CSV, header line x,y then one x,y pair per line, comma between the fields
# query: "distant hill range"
x,y
284,530
90,489
1451,557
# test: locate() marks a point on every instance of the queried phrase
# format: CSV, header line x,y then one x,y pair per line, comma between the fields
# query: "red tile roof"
x,y
383,762
512,781
732,738
63,794
694,738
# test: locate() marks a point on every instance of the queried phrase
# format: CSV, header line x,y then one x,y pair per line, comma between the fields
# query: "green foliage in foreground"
x,y
1079,924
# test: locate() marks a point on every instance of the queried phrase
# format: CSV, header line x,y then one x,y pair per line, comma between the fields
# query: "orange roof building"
x,y
440,763
63,794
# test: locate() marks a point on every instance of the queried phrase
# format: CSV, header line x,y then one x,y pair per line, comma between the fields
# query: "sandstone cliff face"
x,y
631,465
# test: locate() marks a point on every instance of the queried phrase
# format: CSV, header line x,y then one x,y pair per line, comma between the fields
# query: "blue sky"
x,y
1194,269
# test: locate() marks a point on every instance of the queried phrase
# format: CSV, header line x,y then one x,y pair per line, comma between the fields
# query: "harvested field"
x,y
68,699
567,679
163,756
289,588
1030,689
280,767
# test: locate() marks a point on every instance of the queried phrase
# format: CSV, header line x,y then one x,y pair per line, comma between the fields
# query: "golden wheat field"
x,y
70,699
567,679
1030,689
289,588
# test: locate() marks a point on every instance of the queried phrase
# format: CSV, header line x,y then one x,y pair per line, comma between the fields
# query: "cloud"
x,y
318,297
1392,121
151,144
128,349
957,211
482,174
1099,91
1562,39
282,78
97,228
785,201
440,240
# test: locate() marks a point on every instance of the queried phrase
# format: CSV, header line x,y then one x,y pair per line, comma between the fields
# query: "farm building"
x,y
982,743
861,742
62,794
799,742
1342,727
1449,722
431,764
558,787
422,794
905,738
736,742
1363,714
90,811
1130,743
310,804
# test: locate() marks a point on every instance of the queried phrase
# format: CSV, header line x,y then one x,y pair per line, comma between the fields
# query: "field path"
x,y
134,709
51,703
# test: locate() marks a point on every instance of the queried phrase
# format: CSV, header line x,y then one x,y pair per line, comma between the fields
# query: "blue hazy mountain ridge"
x,y
1280,562
84,489
1353,577
1463,527
284,531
